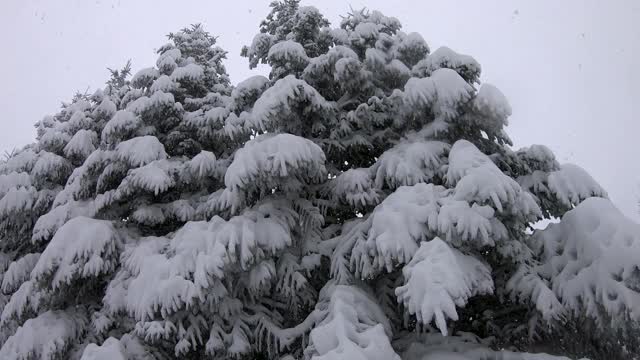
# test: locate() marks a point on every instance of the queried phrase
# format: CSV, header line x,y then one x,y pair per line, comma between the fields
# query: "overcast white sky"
x,y
569,68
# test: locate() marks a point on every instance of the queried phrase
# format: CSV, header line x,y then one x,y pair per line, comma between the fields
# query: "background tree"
x,y
363,202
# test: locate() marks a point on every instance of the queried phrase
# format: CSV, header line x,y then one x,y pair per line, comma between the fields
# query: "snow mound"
x,y
247,91
134,254
49,223
478,179
464,157
390,236
355,187
527,285
538,157
180,210
251,84
140,150
276,103
27,297
438,279
457,220
319,66
168,60
259,48
444,91
203,164
375,58
397,225
409,163
109,350
412,48
444,57
78,121
364,31
149,215
353,327
155,177
272,156
488,183
18,272
156,102
165,83
82,144
192,72
53,140
123,122
156,214
14,180
18,200
47,336
492,103
592,259
287,51
106,109
197,258
572,184
144,77
23,161
50,166
82,248
76,181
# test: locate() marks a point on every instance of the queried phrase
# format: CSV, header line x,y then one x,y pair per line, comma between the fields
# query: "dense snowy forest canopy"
x,y
362,202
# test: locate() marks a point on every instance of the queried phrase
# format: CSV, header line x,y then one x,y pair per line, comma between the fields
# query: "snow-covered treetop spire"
x,y
299,28
196,43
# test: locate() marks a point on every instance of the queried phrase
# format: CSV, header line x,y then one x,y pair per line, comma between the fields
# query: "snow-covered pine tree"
x,y
363,202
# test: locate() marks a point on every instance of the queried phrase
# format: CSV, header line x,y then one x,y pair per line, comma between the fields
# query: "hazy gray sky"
x,y
569,68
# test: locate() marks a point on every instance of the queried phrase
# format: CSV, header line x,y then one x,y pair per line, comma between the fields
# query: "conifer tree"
x,y
362,202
